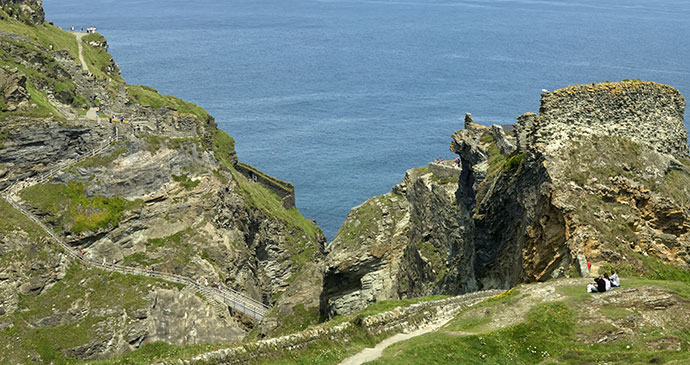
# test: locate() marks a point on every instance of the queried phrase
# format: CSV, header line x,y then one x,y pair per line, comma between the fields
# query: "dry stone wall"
x,y
398,320
646,112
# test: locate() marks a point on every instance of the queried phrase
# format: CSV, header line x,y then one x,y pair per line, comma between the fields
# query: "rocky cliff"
x,y
29,11
167,195
601,175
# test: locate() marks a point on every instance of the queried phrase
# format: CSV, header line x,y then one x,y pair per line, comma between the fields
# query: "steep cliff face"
x,y
604,180
600,175
156,187
407,243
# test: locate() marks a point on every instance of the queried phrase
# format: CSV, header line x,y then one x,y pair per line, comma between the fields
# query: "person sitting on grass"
x,y
598,287
615,281
607,281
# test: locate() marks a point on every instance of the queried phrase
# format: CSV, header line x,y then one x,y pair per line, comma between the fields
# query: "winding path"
x,y
79,36
373,353
226,296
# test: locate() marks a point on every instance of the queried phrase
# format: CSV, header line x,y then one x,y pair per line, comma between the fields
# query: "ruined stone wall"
x,y
646,112
285,190
402,319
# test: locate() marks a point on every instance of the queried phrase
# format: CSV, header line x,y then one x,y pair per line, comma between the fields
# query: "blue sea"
x,y
342,97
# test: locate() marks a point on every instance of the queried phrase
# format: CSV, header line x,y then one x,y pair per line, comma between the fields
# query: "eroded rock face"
x,y
187,211
407,243
13,88
601,175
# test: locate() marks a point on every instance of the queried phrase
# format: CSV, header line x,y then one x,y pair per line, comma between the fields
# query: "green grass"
x,y
363,220
13,220
4,134
436,259
299,320
258,196
178,249
515,161
43,108
496,159
102,160
73,210
260,174
444,180
263,199
547,336
157,351
185,181
614,312
99,60
80,284
470,324
602,157
540,337
144,95
224,148
44,35
140,259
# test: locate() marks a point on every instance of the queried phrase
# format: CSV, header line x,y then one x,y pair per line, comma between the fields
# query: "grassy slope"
x,y
261,199
72,210
551,333
99,60
12,220
321,352
144,95
48,341
43,36
601,158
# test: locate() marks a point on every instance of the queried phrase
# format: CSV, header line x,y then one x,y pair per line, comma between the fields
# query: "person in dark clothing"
x,y
601,284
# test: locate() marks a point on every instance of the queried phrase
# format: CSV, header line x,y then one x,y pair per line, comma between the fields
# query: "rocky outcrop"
x,y
166,196
13,89
403,244
27,10
601,175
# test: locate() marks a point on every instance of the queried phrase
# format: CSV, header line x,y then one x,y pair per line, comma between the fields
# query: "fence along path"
x,y
227,296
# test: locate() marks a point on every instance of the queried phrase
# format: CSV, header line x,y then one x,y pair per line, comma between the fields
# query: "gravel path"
x,y
79,36
371,354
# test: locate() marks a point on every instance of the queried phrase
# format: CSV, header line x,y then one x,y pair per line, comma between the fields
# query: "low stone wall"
x,y
403,319
645,112
285,190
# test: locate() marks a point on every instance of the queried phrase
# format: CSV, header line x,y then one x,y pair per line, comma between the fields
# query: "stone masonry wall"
x,y
397,320
646,112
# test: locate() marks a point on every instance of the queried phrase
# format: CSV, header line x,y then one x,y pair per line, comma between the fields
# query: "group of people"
x,y
439,161
217,284
88,29
604,283
82,256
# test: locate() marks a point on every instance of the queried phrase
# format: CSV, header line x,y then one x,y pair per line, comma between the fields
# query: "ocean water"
x,y
342,97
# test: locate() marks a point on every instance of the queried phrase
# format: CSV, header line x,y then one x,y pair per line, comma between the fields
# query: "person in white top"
x,y
615,281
